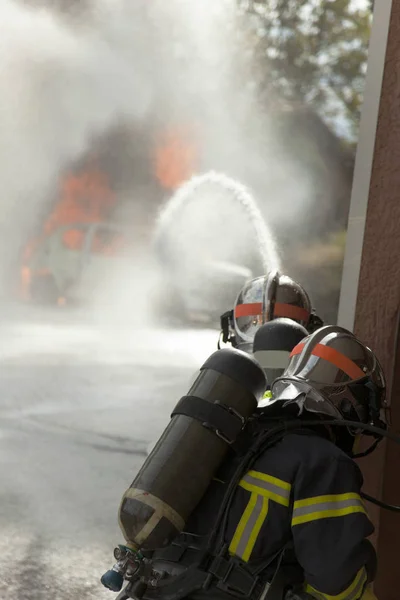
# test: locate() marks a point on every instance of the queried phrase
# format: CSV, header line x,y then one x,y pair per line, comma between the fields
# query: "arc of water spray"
x,y
240,194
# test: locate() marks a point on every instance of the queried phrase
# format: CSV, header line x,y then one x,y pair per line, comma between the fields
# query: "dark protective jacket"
x,y
304,492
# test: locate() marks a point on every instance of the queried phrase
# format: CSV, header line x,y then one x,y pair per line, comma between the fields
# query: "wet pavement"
x,y
79,408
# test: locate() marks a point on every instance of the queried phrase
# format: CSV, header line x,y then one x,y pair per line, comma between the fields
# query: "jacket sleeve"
x,y
329,527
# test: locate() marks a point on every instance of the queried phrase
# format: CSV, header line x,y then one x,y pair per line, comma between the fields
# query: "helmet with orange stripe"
x,y
266,298
333,374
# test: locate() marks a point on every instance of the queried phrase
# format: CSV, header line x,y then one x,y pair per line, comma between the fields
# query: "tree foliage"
x,y
311,51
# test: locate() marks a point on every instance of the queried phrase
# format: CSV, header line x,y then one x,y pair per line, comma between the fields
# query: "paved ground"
x,y
78,409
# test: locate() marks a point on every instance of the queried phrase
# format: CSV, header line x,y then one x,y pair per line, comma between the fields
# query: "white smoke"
x,y
65,81
212,88
60,85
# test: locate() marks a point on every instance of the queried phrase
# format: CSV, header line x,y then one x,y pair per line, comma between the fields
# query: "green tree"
x,y
311,51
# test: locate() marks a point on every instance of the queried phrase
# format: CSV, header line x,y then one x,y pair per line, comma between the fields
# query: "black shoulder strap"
x,y
220,418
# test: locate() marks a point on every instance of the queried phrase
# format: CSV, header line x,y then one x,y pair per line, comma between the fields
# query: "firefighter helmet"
x,y
333,374
266,298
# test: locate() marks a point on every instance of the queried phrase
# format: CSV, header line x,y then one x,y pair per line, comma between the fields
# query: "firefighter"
x,y
261,300
283,518
307,487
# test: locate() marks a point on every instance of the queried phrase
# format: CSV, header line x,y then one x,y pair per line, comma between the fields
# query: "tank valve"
x,y
128,563
113,580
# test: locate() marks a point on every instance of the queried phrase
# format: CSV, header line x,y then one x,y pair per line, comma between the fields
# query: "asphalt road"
x,y
79,408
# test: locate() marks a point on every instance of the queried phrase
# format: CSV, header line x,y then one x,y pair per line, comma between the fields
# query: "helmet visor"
x,y
329,365
249,309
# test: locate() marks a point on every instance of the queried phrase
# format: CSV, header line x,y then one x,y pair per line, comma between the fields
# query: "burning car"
x,y
69,264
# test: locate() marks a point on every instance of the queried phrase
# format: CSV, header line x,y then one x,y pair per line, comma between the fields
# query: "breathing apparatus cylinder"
x,y
203,425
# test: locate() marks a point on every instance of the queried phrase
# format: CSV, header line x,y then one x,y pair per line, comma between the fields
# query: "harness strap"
x,y
233,577
218,417
178,587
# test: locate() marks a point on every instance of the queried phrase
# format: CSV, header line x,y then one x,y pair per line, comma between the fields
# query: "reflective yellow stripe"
x,y
267,394
353,592
271,487
262,492
262,488
323,499
325,507
249,527
242,523
274,480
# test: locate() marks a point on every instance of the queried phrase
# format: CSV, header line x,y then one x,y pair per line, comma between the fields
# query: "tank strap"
x,y
172,553
221,419
178,553
232,576
267,580
178,587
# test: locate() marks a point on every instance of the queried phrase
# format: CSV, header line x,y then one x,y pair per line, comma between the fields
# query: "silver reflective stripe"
x,y
249,527
272,359
267,486
326,506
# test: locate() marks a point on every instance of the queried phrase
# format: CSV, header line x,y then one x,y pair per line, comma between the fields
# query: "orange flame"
x,y
86,197
176,158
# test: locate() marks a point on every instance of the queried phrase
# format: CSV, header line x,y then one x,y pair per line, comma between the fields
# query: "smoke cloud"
x,y
64,81
60,85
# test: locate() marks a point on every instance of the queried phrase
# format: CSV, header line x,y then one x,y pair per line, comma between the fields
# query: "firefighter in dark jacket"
x,y
294,526
264,299
306,488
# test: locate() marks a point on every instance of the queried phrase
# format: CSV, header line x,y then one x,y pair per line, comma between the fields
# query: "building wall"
x,y
378,306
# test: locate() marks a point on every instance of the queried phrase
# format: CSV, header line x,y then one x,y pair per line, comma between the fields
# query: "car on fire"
x,y
68,264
